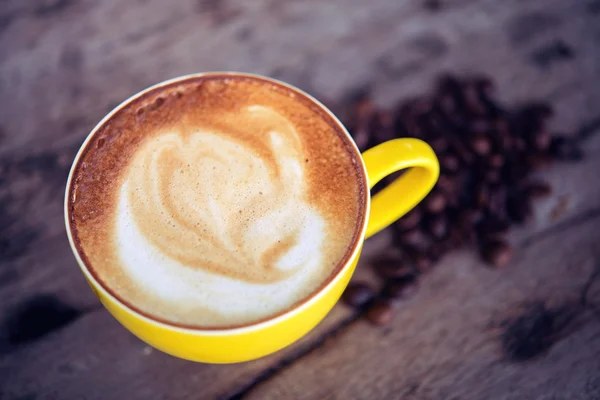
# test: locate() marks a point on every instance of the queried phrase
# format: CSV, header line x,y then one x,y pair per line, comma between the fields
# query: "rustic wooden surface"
x,y
65,63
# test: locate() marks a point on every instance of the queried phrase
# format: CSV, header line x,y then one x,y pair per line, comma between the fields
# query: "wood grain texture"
x,y
64,64
96,358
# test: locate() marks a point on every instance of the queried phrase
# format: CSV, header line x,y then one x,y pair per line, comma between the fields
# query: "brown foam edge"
x,y
328,116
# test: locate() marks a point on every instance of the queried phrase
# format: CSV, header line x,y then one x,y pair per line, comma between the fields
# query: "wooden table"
x,y
65,63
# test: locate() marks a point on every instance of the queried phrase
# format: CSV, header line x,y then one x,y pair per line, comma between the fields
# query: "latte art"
x,y
221,198
219,211
216,202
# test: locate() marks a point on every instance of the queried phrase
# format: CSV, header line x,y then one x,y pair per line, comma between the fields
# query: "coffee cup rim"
x,y
282,315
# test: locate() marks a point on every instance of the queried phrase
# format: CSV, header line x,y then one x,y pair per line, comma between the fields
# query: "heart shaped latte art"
x,y
212,207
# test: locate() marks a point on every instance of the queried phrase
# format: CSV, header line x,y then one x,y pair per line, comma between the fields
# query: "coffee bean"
x,y
538,161
541,140
380,313
409,114
492,226
435,202
419,258
506,140
539,110
452,198
382,126
437,226
360,121
565,149
431,127
408,124
538,190
485,87
481,145
449,162
493,175
361,137
410,220
401,288
391,267
423,263
448,85
526,122
363,109
447,104
467,216
437,249
380,136
473,101
414,237
479,126
496,252
515,171
439,144
420,105
457,236
384,119
497,201
357,294
518,207
446,183
501,125
520,144
460,148
495,160
481,196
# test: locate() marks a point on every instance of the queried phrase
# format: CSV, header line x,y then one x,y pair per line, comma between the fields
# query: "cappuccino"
x,y
217,201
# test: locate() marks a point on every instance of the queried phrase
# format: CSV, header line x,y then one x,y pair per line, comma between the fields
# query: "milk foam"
x,y
209,220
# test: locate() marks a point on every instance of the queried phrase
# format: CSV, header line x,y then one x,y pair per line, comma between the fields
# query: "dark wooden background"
x,y
65,63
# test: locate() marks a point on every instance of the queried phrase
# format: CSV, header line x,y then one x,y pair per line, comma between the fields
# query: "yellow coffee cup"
x,y
265,337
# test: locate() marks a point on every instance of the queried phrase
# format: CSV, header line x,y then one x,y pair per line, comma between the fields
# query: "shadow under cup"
x,y
259,339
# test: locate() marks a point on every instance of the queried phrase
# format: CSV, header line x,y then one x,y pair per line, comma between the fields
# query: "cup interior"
x,y
347,260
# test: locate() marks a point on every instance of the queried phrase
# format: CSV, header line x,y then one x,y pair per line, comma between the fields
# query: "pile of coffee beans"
x,y
487,155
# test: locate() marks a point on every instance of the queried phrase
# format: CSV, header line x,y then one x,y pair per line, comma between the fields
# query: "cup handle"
x,y
408,190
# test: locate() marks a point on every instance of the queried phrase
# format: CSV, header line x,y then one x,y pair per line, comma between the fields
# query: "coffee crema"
x,y
217,201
